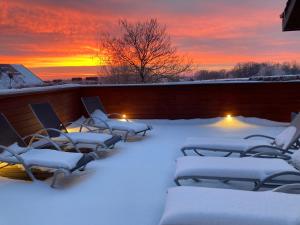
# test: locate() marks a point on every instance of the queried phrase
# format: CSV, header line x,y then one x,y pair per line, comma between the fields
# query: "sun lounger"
x,y
259,169
13,150
58,133
100,119
285,141
210,206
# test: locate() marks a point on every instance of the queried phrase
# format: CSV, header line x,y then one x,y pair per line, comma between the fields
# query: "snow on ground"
x,y
128,186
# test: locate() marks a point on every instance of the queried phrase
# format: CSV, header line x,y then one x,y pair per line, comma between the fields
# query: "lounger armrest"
x,y
117,114
102,121
296,145
266,148
275,177
60,133
271,155
34,137
288,188
19,158
259,135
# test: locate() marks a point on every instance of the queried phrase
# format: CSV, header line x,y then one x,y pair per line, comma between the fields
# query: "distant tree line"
x,y
142,52
248,70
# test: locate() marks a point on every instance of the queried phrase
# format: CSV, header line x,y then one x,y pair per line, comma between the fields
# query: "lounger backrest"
x,y
296,123
48,118
8,135
92,103
290,135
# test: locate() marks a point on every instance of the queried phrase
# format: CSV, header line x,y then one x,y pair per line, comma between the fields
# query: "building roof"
x,y
291,16
16,75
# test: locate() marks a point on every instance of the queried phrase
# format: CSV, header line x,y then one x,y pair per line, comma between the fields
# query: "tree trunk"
x,y
142,74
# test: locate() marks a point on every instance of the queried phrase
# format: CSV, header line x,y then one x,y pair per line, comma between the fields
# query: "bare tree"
x,y
144,49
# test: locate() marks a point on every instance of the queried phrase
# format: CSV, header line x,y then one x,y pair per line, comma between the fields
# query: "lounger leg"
x,y
183,151
227,155
144,133
56,174
257,186
95,152
126,136
196,180
198,153
29,172
177,182
82,168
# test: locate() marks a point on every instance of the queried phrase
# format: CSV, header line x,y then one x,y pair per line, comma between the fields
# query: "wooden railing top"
x,y
36,90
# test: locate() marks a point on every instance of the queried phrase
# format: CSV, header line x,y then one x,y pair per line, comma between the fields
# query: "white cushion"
x,y
248,167
295,159
285,137
233,144
51,158
88,138
98,114
15,148
44,158
209,206
132,127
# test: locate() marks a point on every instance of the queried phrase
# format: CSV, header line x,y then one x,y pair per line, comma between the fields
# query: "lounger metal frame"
x,y
92,120
253,150
269,181
17,158
28,167
51,133
293,145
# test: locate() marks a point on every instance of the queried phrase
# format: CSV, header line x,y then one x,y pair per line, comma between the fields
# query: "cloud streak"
x,y
46,33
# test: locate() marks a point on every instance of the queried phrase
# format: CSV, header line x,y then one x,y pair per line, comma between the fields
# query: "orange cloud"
x,y
216,33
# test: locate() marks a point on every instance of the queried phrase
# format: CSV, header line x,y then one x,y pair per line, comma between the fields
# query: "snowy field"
x,y
128,186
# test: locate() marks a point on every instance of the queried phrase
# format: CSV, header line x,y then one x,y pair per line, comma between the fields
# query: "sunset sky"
x,y
57,38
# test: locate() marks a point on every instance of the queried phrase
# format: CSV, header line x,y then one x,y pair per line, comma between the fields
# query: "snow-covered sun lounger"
x,y
286,140
210,206
100,118
13,150
263,172
58,133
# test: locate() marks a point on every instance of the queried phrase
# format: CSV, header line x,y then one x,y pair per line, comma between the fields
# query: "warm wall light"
x,y
124,116
229,117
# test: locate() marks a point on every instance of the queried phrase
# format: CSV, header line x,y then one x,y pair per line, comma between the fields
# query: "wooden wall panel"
x,y
265,100
66,103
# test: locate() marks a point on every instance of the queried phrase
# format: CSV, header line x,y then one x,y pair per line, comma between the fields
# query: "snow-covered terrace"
x,y
126,187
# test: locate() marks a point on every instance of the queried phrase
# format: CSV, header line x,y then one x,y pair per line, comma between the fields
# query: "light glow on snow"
x,y
230,122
